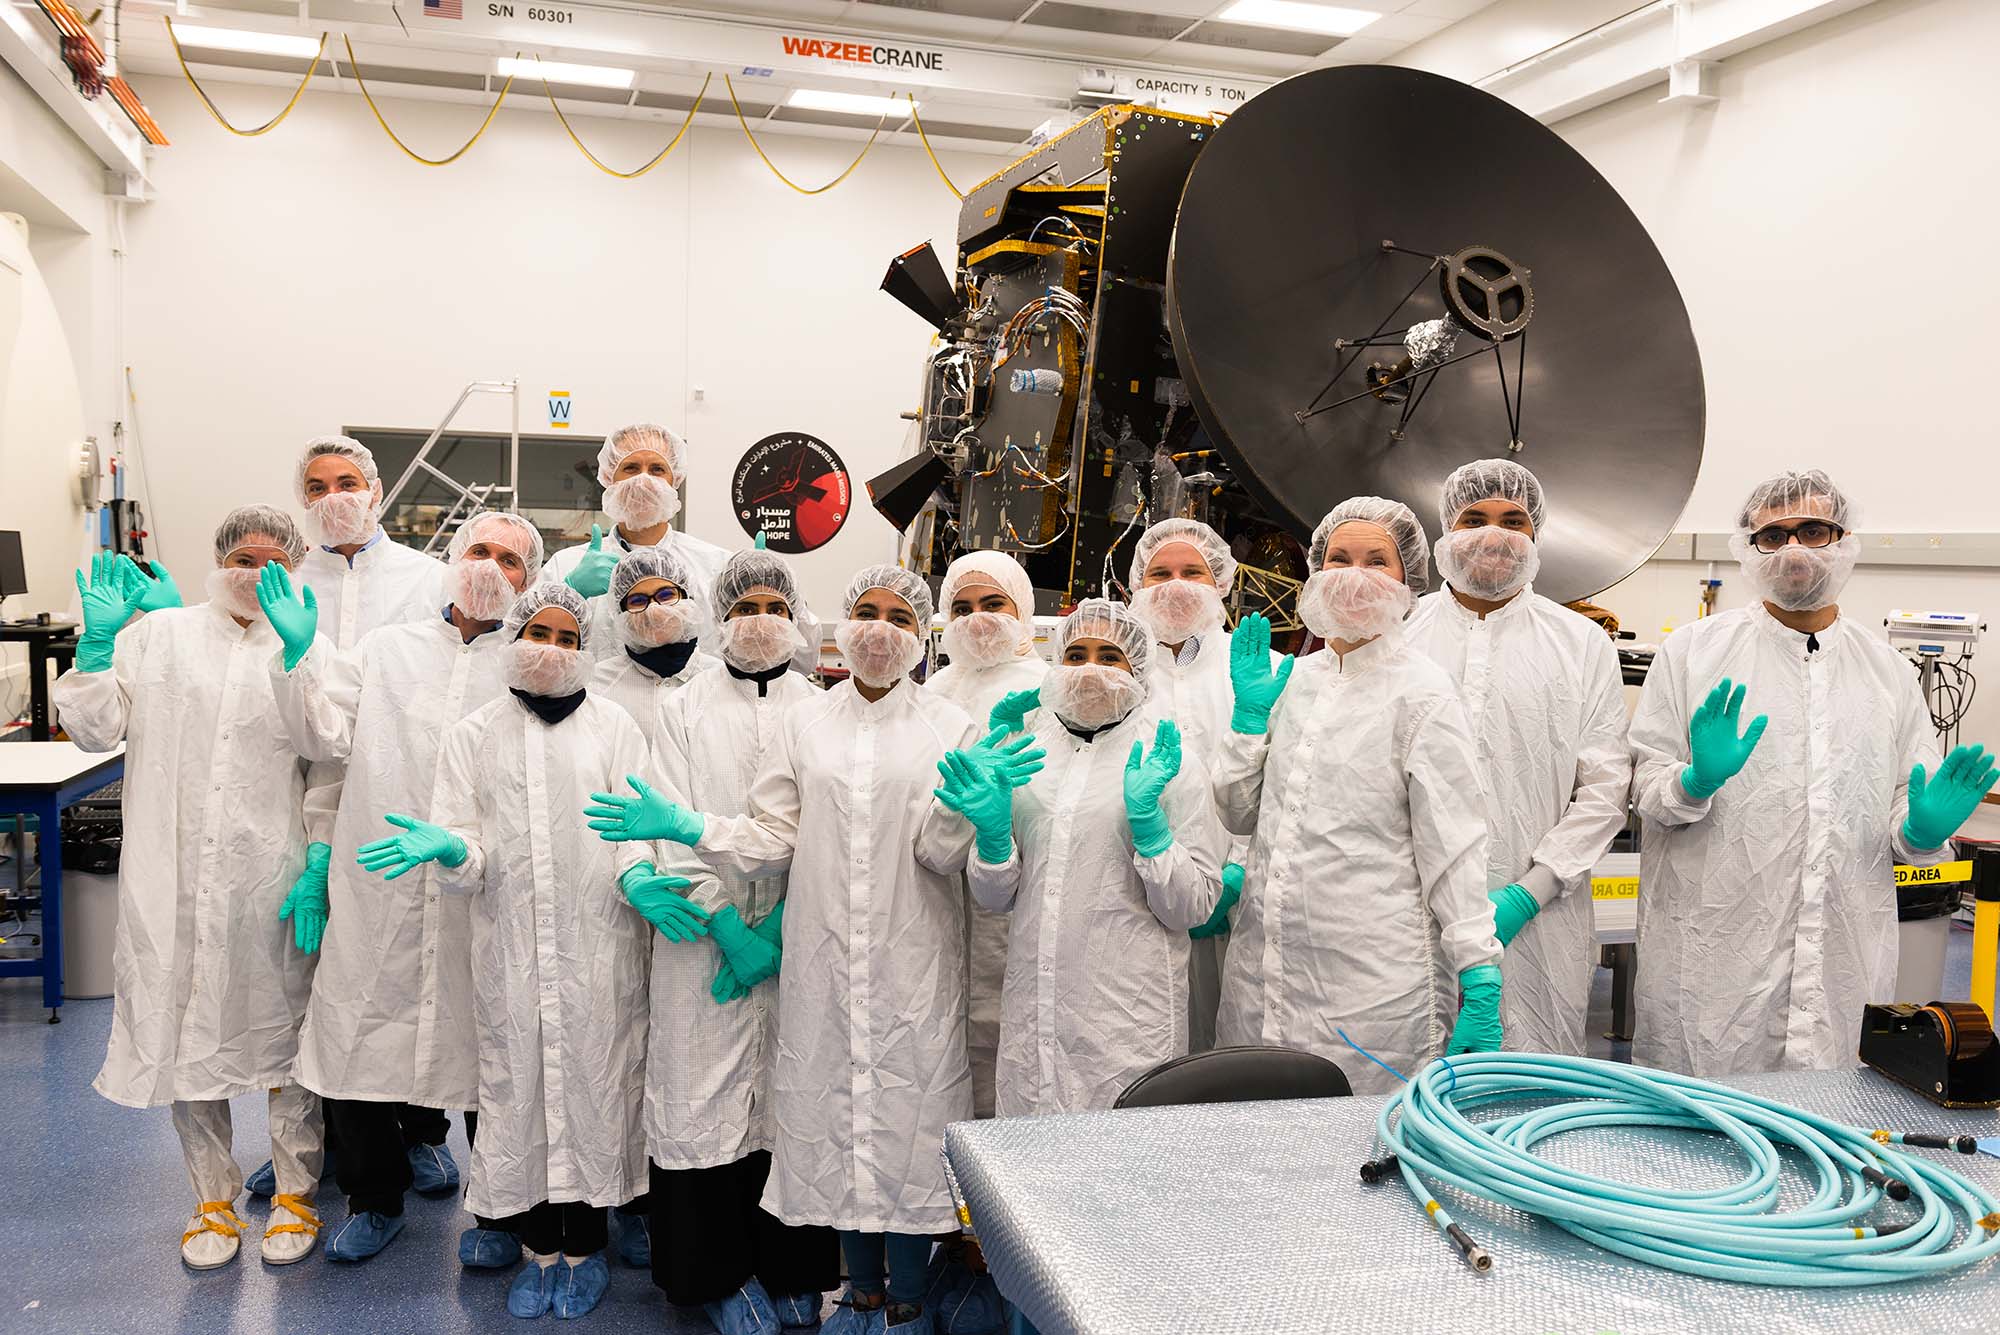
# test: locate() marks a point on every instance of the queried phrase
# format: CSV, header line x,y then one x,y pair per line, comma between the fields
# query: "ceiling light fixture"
x,y
555,71
245,39
1294,14
857,104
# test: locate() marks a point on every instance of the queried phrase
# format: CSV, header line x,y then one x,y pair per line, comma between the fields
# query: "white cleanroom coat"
x,y
391,1016
1767,913
976,691
1365,894
208,986
559,959
1542,686
1096,982
386,583
871,1063
633,687
708,1066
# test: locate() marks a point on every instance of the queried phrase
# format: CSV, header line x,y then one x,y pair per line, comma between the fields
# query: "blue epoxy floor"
x,y
93,1198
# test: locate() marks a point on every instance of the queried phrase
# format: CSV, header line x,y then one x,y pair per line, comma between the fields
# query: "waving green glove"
x,y
659,902
619,818
1939,805
592,576
1015,759
1255,686
984,796
419,843
1218,921
295,616
306,905
1717,750
1146,778
107,606
1478,1027
150,587
1010,713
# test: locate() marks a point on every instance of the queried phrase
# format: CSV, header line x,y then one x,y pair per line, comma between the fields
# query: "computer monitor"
x,y
13,571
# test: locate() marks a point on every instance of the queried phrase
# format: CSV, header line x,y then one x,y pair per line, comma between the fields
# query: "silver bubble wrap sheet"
x,y
1252,1218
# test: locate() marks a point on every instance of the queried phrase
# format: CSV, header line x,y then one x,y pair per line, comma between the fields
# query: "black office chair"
x,y
1237,1075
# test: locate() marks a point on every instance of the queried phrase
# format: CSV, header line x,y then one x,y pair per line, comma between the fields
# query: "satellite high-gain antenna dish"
x,y
1379,274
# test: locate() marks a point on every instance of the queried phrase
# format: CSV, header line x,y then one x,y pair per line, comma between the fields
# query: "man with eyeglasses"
x,y
1767,891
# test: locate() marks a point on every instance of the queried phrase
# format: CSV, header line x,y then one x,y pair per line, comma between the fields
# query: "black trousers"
x,y
710,1235
571,1228
371,1148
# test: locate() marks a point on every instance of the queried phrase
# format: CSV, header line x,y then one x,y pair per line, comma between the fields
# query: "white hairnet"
x,y
1102,619
1196,535
247,521
548,593
640,436
1490,479
905,584
749,570
649,563
508,529
346,447
996,569
1394,518
1794,495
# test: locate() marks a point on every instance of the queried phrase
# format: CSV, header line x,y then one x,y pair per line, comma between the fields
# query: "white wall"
x,y
284,286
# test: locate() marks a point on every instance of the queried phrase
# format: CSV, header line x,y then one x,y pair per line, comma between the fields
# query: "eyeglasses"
x,y
1809,533
666,593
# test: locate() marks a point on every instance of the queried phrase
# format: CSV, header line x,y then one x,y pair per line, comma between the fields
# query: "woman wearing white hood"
x,y
389,1034
871,1019
659,620
1103,862
640,468
990,640
1365,910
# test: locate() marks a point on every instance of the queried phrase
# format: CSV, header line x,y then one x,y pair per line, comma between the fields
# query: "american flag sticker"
x,y
444,9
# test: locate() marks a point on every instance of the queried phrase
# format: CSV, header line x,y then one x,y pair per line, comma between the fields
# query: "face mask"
x,y
983,639
545,669
235,590
661,623
759,643
1178,609
1490,563
341,517
641,501
1353,603
1091,695
481,589
1798,579
878,653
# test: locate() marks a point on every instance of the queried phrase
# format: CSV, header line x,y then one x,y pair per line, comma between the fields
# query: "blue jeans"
x,y
906,1258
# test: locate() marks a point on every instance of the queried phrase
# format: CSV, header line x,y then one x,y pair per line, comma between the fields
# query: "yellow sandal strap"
x,y
229,1226
300,1207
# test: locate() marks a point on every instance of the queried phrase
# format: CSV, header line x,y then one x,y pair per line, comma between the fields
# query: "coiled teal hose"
x,y
1877,1215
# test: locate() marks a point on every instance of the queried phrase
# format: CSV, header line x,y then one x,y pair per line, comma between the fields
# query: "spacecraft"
x,y
1364,278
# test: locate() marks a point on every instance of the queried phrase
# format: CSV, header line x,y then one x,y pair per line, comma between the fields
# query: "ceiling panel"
x,y
1004,10
1107,22
1244,37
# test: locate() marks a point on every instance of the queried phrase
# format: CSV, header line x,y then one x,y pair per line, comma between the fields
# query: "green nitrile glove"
x,y
419,843
592,576
1146,777
649,815
107,606
149,587
982,794
659,902
1478,1028
1252,682
1939,805
295,616
306,905
1232,890
751,958
1717,750
1513,909
1011,712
